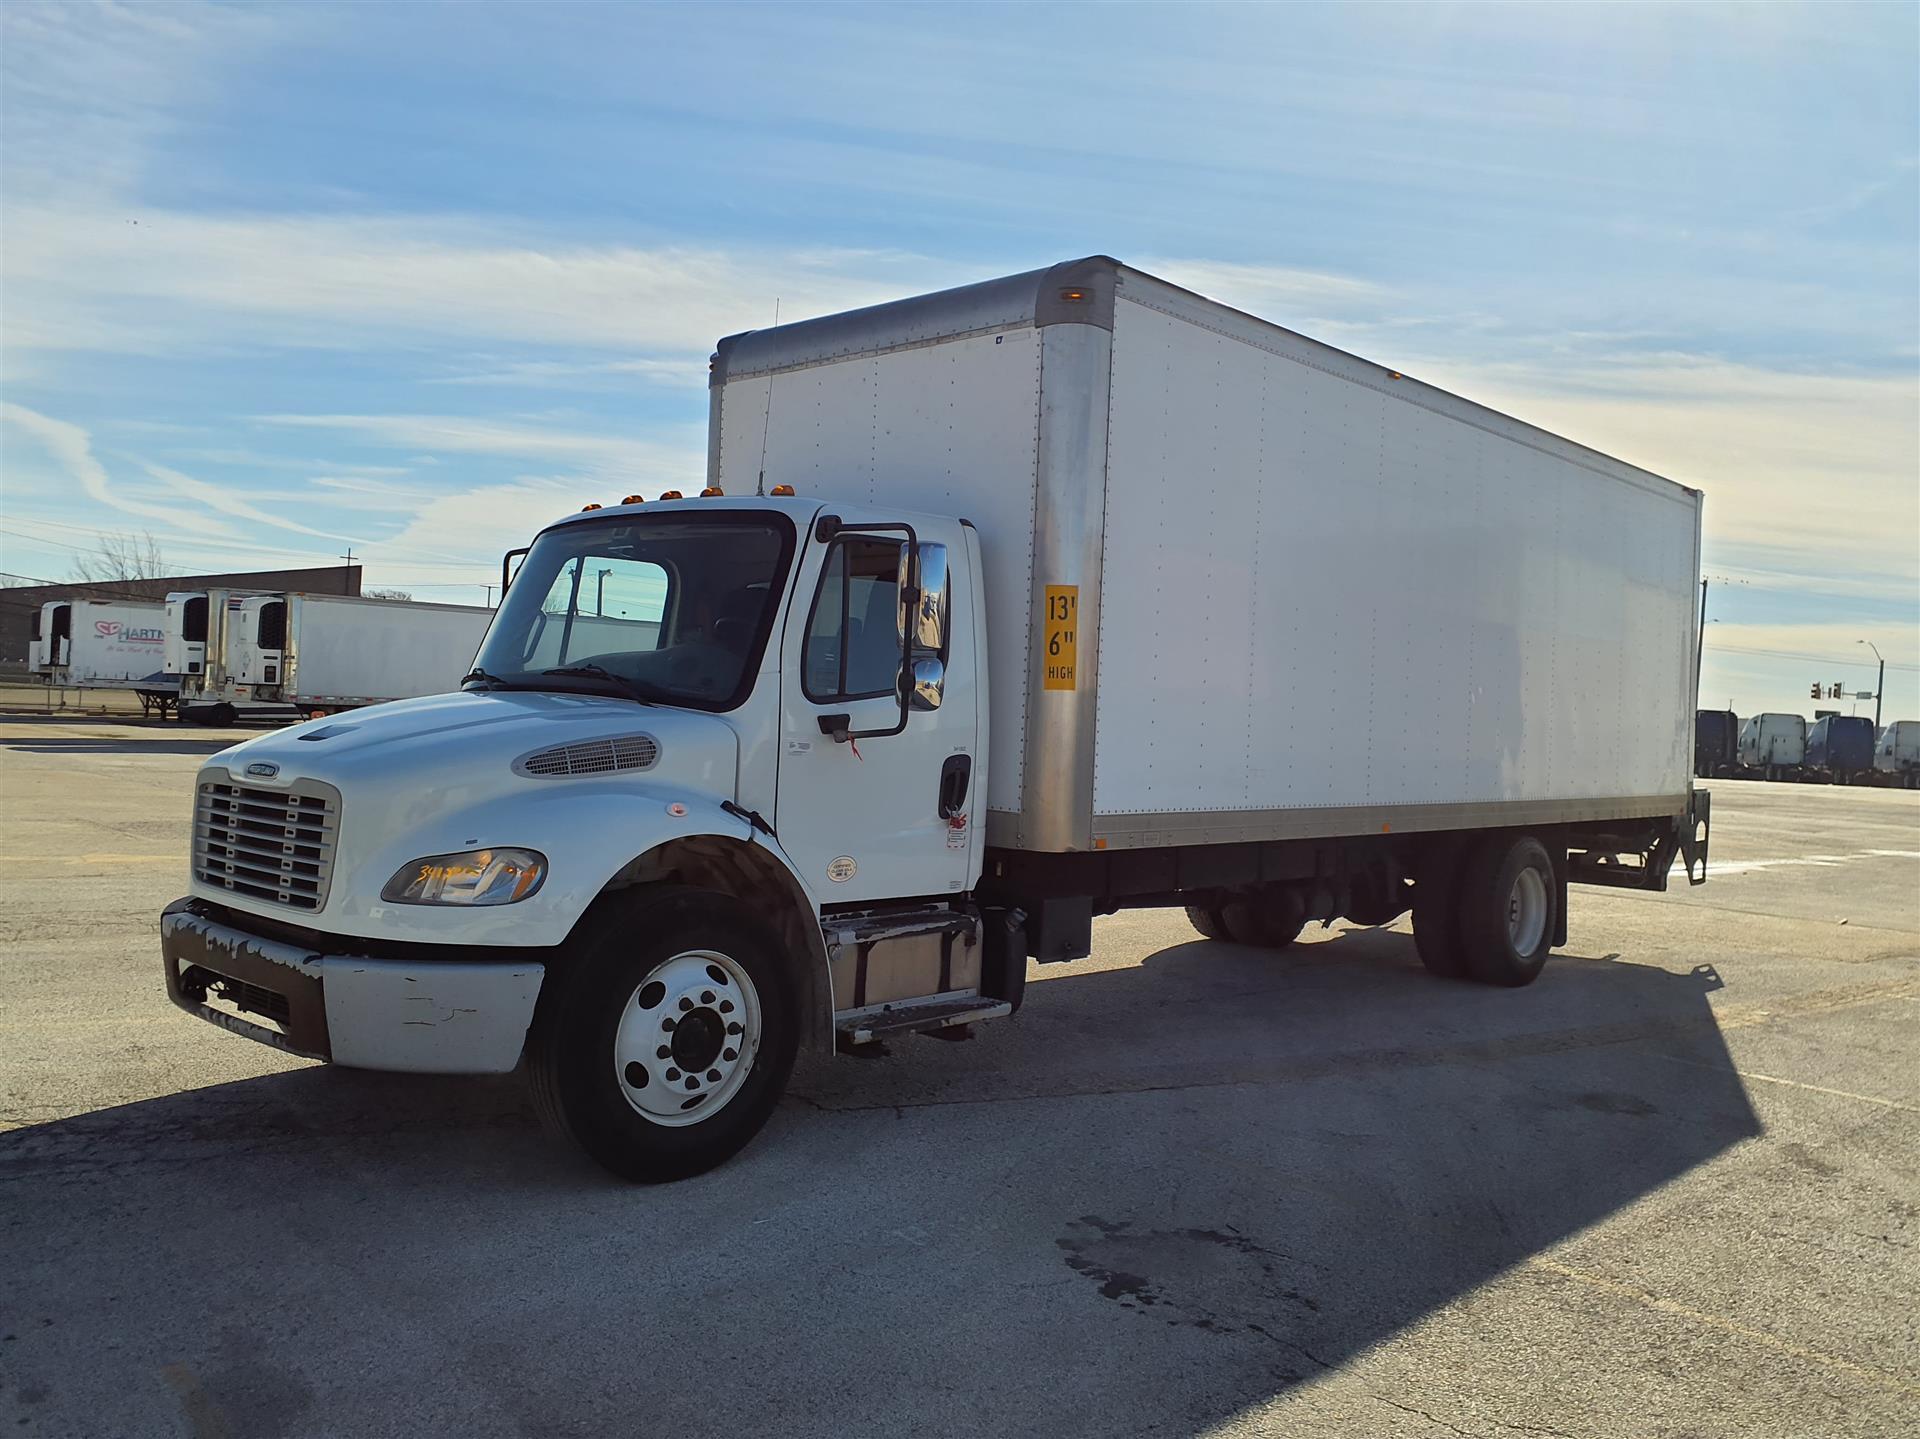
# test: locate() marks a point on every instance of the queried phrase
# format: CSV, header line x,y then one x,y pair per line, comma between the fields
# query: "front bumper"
x,y
423,1016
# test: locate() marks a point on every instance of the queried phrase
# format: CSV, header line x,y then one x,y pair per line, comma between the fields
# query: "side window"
x,y
853,636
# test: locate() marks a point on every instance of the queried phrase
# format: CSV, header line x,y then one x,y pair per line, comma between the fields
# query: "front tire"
x,y
666,1040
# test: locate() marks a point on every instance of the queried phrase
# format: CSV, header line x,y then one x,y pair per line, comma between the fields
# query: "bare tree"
x,y
121,556
386,594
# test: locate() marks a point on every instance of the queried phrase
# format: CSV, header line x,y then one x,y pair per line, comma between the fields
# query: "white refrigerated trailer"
x,y
316,653
1002,608
89,644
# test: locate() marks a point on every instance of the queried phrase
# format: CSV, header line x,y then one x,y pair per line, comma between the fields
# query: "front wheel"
x,y
667,1037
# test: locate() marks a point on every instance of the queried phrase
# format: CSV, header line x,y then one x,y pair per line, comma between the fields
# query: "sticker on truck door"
x,y
1061,638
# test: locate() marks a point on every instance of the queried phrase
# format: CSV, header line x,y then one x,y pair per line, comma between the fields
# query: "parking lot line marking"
x,y
1725,868
171,858
1663,1305
1794,1083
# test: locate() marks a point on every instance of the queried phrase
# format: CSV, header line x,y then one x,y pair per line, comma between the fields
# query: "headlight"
x,y
480,876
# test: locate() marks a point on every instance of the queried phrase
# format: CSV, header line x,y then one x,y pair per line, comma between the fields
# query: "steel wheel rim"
x,y
698,1009
1527,912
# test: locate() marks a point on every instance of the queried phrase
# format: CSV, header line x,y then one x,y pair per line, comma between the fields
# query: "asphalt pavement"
x,y
1671,1189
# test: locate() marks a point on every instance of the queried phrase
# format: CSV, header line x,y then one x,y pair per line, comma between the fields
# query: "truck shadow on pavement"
x,y
1157,1196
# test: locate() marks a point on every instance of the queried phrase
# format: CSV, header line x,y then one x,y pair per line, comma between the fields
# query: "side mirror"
x,y
508,569
929,684
926,627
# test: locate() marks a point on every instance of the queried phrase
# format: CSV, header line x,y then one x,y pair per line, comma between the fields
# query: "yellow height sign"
x,y
1062,638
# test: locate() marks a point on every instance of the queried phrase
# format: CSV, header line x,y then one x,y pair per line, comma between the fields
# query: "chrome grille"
x,y
273,844
600,756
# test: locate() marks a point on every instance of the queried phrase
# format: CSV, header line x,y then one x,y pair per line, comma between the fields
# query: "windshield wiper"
x,y
601,672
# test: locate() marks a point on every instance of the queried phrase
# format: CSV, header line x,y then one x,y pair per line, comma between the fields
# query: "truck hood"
x,y
447,773
460,732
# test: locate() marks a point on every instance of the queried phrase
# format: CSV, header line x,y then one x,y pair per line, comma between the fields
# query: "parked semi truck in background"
x,y
1840,748
315,654
1896,757
1716,743
1773,746
1003,608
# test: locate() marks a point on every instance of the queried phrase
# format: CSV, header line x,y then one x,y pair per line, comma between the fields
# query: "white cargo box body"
x,y
1898,748
1289,592
342,650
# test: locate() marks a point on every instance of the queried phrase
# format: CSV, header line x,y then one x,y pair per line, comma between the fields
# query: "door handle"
x,y
954,775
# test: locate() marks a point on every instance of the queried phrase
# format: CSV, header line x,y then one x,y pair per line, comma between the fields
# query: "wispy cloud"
x,y
224,499
613,457
161,282
71,447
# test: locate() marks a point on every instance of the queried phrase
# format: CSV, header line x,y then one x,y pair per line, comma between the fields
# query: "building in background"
x,y
18,605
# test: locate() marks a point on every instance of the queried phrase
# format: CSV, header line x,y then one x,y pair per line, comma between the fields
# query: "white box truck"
x,y
1002,608
316,654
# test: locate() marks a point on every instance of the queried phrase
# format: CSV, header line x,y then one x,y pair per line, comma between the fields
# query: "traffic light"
x,y
1814,693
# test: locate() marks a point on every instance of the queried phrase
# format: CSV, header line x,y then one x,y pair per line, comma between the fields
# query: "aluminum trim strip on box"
x,y
1150,831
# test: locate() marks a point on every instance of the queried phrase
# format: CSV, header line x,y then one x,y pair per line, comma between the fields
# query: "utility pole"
x,y
1879,685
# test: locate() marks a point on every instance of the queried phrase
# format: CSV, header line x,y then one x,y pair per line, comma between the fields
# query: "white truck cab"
x,y
687,712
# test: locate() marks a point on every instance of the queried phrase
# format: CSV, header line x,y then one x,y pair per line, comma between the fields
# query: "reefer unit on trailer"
x,y
1773,746
1840,747
324,652
1002,608
1245,586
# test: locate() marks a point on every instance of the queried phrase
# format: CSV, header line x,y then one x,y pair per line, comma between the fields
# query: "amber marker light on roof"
x,y
710,491
634,500
585,508
781,490
671,495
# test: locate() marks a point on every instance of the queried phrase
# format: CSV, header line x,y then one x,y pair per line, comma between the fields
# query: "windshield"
x,y
668,607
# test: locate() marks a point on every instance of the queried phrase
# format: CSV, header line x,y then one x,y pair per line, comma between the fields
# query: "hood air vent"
x,y
600,756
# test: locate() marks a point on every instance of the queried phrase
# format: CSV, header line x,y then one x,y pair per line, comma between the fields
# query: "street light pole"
x,y
1880,684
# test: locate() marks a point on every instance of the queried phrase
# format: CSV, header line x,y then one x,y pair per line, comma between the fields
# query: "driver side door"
x,y
862,819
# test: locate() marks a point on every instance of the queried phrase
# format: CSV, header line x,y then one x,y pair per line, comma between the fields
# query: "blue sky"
x,y
416,278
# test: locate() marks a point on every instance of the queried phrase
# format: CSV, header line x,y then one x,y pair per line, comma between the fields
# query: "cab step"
x,y
913,1016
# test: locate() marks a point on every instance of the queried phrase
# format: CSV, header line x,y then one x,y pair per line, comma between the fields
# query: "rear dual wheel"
x,y
1489,913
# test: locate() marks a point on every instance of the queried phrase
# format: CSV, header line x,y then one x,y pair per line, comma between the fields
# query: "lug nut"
x,y
729,1054
663,1053
673,1073
713,1076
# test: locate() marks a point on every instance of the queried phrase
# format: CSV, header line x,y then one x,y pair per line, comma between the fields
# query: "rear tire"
x,y
600,1067
1436,928
1208,920
1266,918
1507,910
